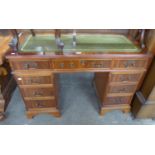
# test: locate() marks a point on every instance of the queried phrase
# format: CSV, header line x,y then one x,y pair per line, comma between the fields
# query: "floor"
x,y
78,103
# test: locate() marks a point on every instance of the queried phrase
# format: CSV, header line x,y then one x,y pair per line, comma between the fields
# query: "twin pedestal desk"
x,y
119,66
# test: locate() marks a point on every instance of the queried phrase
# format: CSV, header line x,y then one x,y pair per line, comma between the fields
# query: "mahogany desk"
x,y
119,65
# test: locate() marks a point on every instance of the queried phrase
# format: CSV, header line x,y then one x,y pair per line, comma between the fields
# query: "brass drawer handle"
x,y
30,65
39,104
32,81
124,79
130,63
61,65
118,100
122,89
82,62
98,65
37,93
72,65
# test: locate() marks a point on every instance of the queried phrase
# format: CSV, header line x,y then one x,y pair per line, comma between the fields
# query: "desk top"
x,y
4,47
85,43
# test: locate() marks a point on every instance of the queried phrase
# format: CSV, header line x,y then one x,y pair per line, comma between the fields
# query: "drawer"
x,y
132,63
65,64
122,89
34,80
37,92
95,64
40,103
117,100
30,65
126,77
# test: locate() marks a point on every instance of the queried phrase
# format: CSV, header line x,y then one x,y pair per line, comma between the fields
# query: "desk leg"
x,y
124,108
52,111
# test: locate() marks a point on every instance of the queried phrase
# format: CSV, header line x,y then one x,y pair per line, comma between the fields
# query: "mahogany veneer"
x,y
117,76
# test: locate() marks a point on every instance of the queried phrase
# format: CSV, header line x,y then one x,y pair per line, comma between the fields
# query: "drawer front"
x,y
122,89
95,64
34,80
37,92
30,65
65,64
129,64
40,103
74,64
125,77
117,100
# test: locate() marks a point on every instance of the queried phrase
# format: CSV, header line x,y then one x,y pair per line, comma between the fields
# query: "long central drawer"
x,y
90,63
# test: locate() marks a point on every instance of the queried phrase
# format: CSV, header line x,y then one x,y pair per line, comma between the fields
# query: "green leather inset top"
x,y
84,43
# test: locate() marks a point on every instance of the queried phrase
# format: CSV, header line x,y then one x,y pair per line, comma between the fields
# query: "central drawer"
x,y
37,92
125,77
84,63
106,64
65,64
40,103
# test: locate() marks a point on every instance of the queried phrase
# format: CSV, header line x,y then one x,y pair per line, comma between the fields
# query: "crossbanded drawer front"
x,y
40,103
34,80
65,64
30,65
106,64
117,100
130,64
122,89
75,64
129,77
37,92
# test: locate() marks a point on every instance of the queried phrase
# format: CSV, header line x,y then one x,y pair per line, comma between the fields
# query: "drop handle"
x,y
30,66
62,65
122,89
31,81
72,65
39,104
118,100
130,64
38,94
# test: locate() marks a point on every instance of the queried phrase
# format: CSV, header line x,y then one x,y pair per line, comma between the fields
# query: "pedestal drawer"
x,y
117,100
34,80
40,103
125,77
121,88
37,92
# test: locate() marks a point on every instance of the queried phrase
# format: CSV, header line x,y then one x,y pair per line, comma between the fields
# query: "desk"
x,y
7,82
118,63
